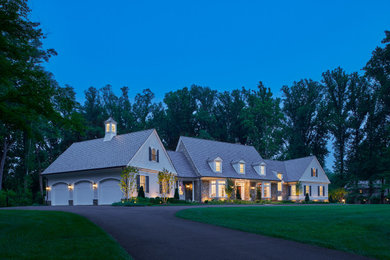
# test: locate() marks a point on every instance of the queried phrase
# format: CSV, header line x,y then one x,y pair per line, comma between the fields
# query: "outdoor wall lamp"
x,y
94,185
70,187
48,188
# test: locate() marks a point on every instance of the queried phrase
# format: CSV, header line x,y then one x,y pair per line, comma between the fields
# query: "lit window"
x,y
307,189
142,182
267,192
221,188
113,128
213,192
321,190
293,190
154,154
217,166
262,169
241,168
107,127
279,186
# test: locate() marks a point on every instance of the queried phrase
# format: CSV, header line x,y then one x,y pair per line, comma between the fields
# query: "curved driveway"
x,y
155,233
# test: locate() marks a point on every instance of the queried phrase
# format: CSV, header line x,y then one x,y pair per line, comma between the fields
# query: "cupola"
x,y
110,129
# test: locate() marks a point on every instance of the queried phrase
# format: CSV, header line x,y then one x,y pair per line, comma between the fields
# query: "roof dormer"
x,y
215,164
110,129
260,168
239,166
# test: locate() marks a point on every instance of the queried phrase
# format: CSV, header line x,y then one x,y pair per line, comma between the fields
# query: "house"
x,y
88,172
203,167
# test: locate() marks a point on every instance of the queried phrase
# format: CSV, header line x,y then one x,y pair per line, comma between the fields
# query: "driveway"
x,y
155,233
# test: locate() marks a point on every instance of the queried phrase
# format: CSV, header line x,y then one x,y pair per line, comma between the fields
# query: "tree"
x,y
229,188
258,193
167,181
306,126
307,198
176,196
128,182
337,85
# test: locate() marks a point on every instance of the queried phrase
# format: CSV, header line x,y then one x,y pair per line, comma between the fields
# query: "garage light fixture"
x,y
70,187
94,186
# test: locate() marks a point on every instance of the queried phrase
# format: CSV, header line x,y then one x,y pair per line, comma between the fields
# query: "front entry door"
x,y
188,190
239,193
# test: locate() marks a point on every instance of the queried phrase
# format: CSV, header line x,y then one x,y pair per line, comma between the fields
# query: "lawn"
x,y
56,235
360,229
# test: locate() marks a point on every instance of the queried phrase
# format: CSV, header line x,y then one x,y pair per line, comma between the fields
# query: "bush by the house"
x,y
375,200
176,196
258,193
141,193
307,198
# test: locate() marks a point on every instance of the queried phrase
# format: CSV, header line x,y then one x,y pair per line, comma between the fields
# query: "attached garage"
x,y
60,194
109,192
83,193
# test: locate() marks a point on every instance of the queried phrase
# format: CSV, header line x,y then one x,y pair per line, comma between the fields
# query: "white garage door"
x,y
60,194
83,193
109,192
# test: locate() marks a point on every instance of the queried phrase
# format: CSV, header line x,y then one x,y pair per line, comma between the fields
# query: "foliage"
x,y
229,188
238,194
176,196
128,182
330,226
307,198
258,193
167,180
141,193
338,194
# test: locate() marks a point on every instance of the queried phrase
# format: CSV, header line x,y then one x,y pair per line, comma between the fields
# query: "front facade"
x,y
209,164
88,173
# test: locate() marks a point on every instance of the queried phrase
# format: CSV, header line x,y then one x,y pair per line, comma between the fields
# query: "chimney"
x,y
110,129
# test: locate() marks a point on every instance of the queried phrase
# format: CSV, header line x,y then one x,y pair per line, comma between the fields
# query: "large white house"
x,y
88,172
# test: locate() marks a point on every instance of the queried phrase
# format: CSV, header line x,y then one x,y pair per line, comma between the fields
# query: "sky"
x,y
225,45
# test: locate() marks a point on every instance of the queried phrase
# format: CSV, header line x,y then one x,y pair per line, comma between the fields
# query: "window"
x,y
107,127
314,172
113,128
242,169
142,182
321,191
267,188
293,190
279,186
217,166
221,188
307,190
213,192
262,169
153,154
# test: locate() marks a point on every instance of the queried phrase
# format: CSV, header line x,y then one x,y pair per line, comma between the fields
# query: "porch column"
x,y
193,188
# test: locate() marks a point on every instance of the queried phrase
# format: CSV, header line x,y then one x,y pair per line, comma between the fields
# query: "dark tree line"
x,y
40,119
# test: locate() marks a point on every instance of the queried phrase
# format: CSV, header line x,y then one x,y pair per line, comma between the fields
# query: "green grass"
x,y
31,234
360,229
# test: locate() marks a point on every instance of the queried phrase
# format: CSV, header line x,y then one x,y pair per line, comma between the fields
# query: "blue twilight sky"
x,y
166,45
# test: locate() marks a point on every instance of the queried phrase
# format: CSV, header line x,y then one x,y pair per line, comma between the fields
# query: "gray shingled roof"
x,y
292,170
200,151
96,154
181,164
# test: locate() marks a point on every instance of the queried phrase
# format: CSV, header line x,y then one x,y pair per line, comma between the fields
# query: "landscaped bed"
x,y
360,229
54,235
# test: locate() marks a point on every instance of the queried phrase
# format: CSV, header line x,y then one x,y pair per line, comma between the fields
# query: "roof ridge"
x,y
245,145
114,136
299,158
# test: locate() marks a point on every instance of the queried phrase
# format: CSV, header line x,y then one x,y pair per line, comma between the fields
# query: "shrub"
x,y
156,200
307,198
375,200
176,201
176,196
238,195
258,193
3,198
141,193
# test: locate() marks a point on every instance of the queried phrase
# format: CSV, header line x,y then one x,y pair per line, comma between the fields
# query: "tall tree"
x,y
306,130
337,84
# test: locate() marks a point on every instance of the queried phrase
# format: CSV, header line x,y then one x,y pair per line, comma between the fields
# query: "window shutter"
x,y
304,190
138,182
147,183
158,155
323,191
150,154
318,191
316,172
310,190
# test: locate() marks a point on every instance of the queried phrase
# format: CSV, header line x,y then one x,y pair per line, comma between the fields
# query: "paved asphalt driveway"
x,y
155,233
